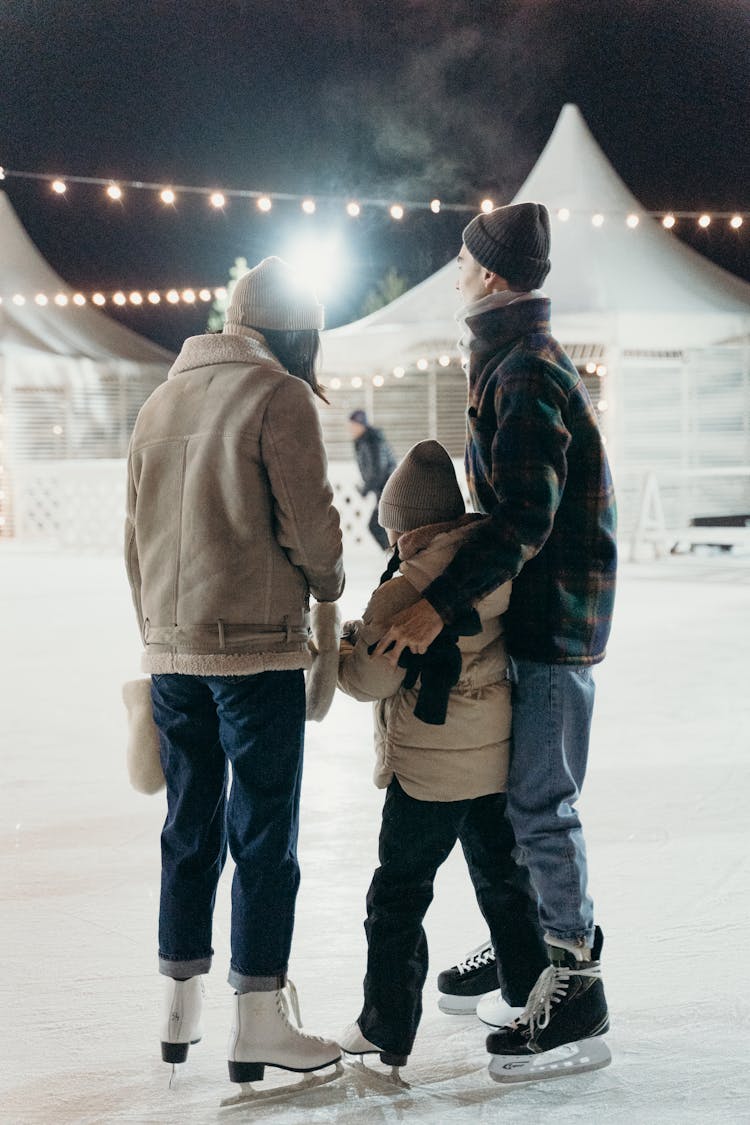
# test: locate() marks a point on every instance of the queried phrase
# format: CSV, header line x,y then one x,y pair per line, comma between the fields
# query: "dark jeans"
x,y
376,531
416,837
257,723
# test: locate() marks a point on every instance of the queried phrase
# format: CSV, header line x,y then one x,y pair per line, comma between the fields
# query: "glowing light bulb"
x,y
356,382
79,299
99,299
435,206
353,209
487,205
57,430
204,294
153,297
264,203
114,191
61,299
735,222
601,370
602,405
632,221
308,206
597,219
188,296
668,221
167,195
41,299
396,211
220,293
399,372
704,221
136,298
173,296
335,384
377,380
563,214
217,199
422,364
119,298
444,360
19,299
59,186
590,368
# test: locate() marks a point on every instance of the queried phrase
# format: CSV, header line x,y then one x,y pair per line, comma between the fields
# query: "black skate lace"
x,y
476,959
550,988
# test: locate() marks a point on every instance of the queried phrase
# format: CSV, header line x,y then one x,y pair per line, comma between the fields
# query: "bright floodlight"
x,y
319,261
59,186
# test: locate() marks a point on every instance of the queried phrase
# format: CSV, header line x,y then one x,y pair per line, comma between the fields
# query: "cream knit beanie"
x,y
272,295
422,490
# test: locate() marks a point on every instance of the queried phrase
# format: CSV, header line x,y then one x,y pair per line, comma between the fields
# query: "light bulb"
x,y
397,211
435,206
167,196
217,199
353,209
264,203
114,191
668,221
308,206
563,214
704,221
632,221
487,205
59,186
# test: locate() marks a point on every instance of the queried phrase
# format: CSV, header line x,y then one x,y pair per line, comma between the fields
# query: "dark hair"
x,y
298,352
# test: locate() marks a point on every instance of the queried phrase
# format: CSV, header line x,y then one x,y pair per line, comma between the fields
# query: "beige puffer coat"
x,y
468,756
230,524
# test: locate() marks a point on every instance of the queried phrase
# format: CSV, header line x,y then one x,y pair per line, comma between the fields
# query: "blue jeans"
x,y
552,708
257,724
416,837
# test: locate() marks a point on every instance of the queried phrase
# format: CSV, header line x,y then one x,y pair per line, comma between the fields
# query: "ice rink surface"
x,y
665,810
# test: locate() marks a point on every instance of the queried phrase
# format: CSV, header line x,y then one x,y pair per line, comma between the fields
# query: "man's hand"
x,y
415,627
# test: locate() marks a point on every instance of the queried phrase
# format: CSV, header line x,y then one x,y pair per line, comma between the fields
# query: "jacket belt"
x,y
222,633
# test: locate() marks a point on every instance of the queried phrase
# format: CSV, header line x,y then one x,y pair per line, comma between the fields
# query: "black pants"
x,y
416,837
374,527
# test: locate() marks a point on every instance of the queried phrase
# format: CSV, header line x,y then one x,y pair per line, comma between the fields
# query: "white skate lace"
x,y
287,998
551,988
476,959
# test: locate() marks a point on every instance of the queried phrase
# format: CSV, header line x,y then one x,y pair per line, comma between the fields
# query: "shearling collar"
x,y
205,351
497,327
412,542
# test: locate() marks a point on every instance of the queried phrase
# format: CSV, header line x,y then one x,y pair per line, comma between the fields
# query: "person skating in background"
x,y
230,528
376,462
442,756
535,462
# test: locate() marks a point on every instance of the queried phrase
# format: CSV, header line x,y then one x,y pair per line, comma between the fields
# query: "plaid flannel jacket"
x,y
535,463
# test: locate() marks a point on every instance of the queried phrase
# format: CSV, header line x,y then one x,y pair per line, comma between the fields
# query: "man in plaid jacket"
x,y
536,464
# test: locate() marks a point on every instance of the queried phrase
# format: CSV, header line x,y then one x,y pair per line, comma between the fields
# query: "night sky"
x,y
399,98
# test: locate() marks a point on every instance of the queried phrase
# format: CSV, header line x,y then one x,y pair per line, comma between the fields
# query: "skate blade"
x,y
248,1092
458,1005
570,1058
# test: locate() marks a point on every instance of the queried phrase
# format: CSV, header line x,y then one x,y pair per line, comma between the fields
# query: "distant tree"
x,y
390,286
219,307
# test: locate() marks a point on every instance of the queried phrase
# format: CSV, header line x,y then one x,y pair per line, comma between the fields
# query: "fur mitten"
x,y
144,764
325,622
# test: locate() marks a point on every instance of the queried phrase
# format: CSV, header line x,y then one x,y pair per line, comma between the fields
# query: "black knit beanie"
x,y
513,242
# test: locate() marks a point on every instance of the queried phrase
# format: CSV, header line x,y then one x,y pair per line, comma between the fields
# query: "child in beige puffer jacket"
x,y
445,780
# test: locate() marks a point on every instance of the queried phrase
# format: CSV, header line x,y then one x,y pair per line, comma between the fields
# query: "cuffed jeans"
x,y
257,724
416,837
552,708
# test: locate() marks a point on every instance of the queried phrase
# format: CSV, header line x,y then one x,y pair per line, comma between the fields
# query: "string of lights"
x,y
135,298
169,194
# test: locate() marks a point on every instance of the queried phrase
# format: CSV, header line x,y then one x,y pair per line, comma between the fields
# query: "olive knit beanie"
x,y
422,490
272,295
513,242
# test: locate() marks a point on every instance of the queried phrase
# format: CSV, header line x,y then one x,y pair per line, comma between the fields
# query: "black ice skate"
x,y
464,984
558,1031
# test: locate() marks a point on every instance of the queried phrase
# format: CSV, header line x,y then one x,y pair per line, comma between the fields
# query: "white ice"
x,y
666,814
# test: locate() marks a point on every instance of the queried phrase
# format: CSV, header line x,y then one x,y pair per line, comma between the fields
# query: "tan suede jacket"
x,y
230,524
468,756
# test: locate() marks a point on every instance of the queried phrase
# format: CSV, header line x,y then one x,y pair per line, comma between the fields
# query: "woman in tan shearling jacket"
x,y
444,782
230,529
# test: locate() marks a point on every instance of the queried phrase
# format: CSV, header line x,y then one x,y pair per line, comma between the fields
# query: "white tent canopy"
x,y
634,288
50,329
